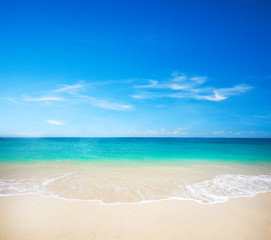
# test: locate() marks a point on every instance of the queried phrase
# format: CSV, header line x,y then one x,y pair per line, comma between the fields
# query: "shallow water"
x,y
126,170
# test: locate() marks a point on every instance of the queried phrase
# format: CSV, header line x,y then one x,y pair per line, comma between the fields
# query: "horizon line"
x,y
142,137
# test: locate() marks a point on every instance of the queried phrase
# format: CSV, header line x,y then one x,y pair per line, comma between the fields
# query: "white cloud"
x,y
177,77
216,97
65,88
108,105
177,83
138,96
112,106
40,99
241,88
175,86
182,86
223,93
160,106
9,100
70,88
151,132
145,95
221,132
55,122
198,80
164,132
151,84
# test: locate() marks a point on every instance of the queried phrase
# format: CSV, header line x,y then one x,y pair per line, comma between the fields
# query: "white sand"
x,y
33,217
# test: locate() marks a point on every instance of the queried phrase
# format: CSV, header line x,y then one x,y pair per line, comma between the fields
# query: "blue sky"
x,y
135,68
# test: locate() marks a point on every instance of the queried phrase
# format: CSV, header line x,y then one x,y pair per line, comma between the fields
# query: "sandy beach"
x,y
34,217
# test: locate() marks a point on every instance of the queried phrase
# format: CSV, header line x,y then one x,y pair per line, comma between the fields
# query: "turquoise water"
x,y
134,149
132,170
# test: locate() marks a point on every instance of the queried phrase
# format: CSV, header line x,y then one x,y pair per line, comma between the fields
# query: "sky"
x,y
135,68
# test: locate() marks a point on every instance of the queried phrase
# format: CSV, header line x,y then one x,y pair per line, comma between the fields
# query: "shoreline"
x,y
136,185
35,217
132,203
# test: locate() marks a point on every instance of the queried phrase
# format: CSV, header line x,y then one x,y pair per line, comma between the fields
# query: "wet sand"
x,y
34,217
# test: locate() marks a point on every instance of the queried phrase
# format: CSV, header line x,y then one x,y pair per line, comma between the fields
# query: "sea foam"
x,y
221,188
217,189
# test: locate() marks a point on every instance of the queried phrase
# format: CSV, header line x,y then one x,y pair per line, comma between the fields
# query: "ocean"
x,y
135,170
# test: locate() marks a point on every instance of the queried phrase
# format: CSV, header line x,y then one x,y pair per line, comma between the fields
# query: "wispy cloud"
x,y
183,131
160,106
178,82
223,93
108,105
40,99
70,88
182,86
152,84
220,132
9,100
55,122
145,95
